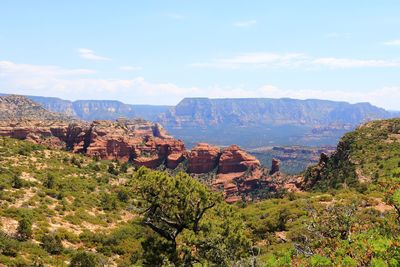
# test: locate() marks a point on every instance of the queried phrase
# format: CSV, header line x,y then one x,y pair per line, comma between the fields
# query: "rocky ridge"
x,y
14,107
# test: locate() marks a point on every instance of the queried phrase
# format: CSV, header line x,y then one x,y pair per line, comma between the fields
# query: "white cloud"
x,y
78,84
130,68
90,54
293,60
393,42
73,84
245,23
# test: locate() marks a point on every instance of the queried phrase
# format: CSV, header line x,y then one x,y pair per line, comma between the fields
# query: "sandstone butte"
x,y
148,144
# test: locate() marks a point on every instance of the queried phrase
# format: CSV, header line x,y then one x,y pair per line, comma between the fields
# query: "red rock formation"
x,y
234,159
203,158
145,143
275,166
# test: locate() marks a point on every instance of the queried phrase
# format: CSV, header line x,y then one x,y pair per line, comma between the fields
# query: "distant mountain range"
x,y
249,122
99,109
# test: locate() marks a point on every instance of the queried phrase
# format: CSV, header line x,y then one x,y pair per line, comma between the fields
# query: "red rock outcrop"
x,y
203,158
275,166
234,159
145,143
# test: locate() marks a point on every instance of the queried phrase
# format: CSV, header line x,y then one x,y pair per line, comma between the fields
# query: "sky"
x,y
158,52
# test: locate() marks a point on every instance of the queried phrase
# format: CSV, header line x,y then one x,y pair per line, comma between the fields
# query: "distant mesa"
x,y
255,111
195,112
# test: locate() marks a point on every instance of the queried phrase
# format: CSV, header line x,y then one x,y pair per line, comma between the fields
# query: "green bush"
x,y
52,244
84,259
24,229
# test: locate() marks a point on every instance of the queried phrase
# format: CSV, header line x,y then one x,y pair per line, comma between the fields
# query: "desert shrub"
x,y
124,167
108,202
50,181
8,245
24,229
52,244
17,182
112,169
84,259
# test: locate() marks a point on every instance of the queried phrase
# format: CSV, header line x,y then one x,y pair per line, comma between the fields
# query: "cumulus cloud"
x,y
90,54
294,60
393,42
245,23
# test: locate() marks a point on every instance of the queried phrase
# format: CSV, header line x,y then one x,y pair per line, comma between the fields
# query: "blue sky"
x,y
158,52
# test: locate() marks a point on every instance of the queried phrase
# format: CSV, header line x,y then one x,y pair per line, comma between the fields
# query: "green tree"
x,y
17,182
8,245
24,229
52,244
84,259
194,222
124,167
108,202
50,181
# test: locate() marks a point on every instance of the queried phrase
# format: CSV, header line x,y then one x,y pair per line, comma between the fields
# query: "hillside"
x,y
371,153
15,107
54,205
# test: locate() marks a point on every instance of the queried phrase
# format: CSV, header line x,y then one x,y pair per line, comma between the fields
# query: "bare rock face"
x,y
234,159
275,166
203,158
